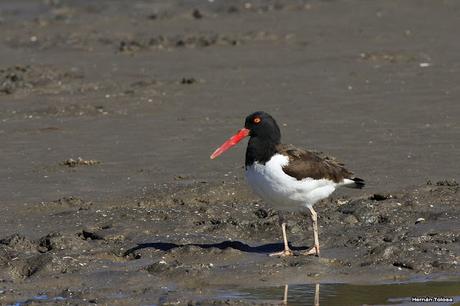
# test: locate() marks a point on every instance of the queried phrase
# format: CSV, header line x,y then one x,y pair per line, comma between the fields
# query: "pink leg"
x,y
314,217
287,251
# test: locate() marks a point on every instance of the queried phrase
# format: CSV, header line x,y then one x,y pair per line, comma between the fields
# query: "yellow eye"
x,y
257,120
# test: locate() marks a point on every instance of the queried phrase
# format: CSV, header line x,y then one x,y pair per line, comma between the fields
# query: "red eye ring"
x,y
257,120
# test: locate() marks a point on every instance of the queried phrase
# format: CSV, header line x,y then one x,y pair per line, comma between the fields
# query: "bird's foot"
x,y
313,251
284,253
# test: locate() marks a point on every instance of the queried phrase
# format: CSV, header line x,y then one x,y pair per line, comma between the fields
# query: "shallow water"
x,y
349,294
301,294
39,298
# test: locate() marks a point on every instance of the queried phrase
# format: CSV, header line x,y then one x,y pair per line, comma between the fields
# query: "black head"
x,y
265,135
261,125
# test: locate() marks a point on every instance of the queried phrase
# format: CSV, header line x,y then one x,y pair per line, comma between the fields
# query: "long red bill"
x,y
230,142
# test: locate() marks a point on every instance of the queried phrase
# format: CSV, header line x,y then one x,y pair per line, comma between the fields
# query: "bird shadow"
x,y
237,245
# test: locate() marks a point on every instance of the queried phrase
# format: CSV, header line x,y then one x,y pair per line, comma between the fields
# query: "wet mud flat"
x,y
187,244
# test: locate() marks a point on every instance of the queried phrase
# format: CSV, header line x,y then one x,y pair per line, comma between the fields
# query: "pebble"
x,y
419,220
350,219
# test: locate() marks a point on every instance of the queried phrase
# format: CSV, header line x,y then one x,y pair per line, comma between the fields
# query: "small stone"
x,y
380,197
197,14
419,220
89,235
388,252
342,202
388,238
261,213
350,219
188,80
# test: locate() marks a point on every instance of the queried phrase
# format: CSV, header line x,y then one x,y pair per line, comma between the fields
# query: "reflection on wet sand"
x,y
286,295
285,298
317,295
354,294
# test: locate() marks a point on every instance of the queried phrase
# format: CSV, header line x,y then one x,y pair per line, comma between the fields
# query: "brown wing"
x,y
303,164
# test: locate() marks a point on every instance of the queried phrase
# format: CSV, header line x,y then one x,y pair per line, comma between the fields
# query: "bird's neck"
x,y
260,150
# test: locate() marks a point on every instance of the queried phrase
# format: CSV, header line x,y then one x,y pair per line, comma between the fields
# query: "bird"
x,y
287,177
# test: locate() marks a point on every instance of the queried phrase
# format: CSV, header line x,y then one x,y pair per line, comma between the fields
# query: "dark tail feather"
x,y
359,183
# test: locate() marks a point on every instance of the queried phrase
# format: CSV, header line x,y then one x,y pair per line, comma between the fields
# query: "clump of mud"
x,y
26,77
73,202
196,40
72,163
178,41
13,78
389,57
21,257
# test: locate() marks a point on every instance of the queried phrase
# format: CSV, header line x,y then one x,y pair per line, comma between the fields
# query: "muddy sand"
x,y
109,111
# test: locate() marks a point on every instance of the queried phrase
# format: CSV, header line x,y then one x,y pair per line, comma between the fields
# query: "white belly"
x,y
282,191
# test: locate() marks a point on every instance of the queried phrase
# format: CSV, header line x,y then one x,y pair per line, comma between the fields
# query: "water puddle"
x,y
42,298
426,293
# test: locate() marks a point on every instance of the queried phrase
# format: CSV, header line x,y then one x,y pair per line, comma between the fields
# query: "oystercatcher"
x,y
284,176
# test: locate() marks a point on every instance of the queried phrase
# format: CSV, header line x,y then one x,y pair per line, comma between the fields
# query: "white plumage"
x,y
285,192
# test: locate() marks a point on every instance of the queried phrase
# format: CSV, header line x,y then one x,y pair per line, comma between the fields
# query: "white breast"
x,y
282,191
